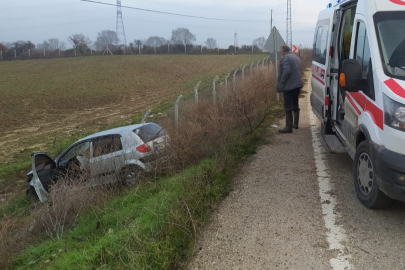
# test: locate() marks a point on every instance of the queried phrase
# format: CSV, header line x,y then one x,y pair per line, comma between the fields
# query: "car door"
x,y
106,159
320,68
74,162
45,173
356,102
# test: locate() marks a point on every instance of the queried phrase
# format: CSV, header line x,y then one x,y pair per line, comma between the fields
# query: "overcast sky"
x,y
42,19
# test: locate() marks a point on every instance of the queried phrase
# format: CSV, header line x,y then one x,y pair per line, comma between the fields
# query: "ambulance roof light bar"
x,y
337,1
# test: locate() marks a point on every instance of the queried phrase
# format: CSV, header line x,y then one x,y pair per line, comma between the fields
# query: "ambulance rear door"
x,y
320,64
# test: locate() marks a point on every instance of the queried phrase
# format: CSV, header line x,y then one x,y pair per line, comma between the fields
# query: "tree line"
x,y
107,41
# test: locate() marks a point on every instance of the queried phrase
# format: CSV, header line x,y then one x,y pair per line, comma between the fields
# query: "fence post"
x,y
59,52
75,51
257,66
226,81
251,68
1,54
145,117
201,48
196,91
234,79
243,72
264,61
44,52
168,48
29,53
214,92
176,111
15,54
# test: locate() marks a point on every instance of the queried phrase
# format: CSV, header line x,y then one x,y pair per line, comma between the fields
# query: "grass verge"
x,y
153,226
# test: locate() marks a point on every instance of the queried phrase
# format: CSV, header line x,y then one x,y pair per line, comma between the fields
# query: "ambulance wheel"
x,y
365,182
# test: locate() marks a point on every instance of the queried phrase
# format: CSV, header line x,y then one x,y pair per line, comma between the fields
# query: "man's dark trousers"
x,y
291,100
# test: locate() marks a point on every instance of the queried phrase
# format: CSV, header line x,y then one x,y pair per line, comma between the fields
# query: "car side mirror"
x,y
351,77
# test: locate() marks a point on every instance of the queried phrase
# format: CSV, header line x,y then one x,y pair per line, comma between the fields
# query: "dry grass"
x,y
206,130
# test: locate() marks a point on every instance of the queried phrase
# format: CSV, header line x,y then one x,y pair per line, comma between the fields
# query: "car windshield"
x,y
391,38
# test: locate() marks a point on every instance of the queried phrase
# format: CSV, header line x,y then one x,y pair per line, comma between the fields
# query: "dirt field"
x,y
64,98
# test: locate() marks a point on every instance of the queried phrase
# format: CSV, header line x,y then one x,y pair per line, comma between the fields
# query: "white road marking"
x,y
336,234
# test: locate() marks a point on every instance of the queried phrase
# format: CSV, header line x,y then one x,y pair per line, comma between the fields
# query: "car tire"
x,y
367,189
32,193
130,175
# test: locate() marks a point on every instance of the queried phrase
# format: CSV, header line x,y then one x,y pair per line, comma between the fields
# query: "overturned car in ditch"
x,y
115,155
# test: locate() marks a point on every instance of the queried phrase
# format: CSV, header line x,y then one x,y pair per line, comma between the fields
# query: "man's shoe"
x,y
288,124
296,119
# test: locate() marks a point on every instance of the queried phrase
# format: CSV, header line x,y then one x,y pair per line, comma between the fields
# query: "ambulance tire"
x,y
368,194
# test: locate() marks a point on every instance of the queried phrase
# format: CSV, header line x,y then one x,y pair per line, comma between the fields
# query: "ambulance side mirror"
x,y
350,78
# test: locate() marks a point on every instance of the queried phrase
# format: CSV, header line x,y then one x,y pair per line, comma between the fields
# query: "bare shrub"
x,y
12,239
66,202
204,127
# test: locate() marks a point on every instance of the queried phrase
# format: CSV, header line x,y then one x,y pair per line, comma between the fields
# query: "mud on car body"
x,y
109,156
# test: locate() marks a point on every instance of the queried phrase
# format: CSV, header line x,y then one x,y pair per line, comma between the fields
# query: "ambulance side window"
x,y
321,42
363,55
348,25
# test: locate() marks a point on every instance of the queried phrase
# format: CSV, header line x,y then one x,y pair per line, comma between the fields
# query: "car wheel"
x,y
32,193
130,175
365,181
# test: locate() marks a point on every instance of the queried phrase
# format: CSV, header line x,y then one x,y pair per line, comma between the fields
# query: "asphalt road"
x,y
294,207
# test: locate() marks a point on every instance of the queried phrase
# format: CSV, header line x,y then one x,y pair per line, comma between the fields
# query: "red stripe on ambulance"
x,y
367,106
395,87
349,98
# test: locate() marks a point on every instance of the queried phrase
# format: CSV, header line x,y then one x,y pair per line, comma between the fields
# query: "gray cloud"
x,y
42,19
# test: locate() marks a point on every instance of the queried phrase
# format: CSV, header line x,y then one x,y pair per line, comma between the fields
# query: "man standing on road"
x,y
290,83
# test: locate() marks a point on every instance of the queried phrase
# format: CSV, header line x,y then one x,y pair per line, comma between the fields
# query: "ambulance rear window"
x,y
321,42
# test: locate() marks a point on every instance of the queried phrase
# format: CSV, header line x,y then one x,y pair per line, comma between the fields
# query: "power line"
x,y
174,14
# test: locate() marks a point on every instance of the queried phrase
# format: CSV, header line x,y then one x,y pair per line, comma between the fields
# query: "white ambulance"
x,y
358,92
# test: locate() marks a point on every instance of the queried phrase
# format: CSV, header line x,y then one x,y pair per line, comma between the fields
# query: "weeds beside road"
x,y
153,225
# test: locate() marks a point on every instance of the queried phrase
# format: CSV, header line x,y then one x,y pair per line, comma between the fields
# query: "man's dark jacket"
x,y
289,73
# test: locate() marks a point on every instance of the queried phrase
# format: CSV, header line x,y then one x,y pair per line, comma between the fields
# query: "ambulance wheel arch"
x,y
368,127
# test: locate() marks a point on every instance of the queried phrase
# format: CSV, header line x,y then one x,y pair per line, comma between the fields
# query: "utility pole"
x,y
235,42
271,22
289,26
276,58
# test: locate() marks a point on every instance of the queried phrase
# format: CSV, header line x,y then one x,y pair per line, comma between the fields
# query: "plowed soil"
x,y
47,100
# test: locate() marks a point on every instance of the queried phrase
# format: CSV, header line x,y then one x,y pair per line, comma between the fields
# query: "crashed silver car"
x,y
106,157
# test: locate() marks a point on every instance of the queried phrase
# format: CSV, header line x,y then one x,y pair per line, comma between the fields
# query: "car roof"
x,y
118,130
